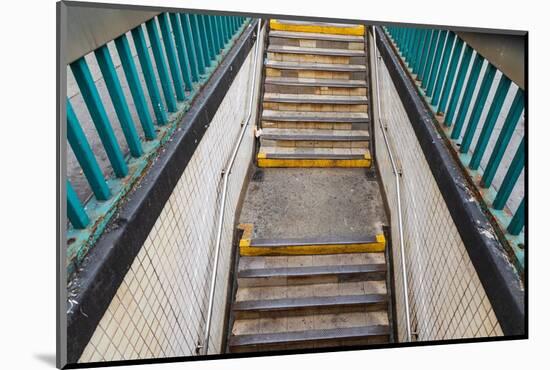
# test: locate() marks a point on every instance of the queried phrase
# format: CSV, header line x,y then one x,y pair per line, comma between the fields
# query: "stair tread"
x,y
309,335
257,262
316,66
276,115
286,49
308,302
310,270
316,23
326,240
314,134
306,286
275,152
314,98
315,36
296,81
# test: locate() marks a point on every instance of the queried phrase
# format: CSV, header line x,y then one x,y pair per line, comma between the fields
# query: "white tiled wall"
x,y
160,308
446,298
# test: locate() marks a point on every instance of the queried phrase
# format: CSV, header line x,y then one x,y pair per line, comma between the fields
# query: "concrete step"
x,y
330,67
298,54
343,259
317,82
311,246
324,338
309,305
317,27
315,36
304,290
314,99
314,120
284,49
301,39
328,274
314,103
314,138
338,71
280,157
315,86
321,117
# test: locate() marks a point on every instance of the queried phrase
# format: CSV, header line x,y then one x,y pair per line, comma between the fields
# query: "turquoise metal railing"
x,y
449,77
186,48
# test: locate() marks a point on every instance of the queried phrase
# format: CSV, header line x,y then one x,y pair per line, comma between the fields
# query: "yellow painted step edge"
x,y
246,250
313,163
356,30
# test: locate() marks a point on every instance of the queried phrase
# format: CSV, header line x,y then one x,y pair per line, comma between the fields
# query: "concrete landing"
x,y
311,202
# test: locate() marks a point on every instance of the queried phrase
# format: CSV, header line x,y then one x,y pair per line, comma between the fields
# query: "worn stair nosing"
x,y
316,66
315,36
296,137
317,27
300,99
315,51
328,240
309,335
328,82
312,271
285,304
284,116
311,156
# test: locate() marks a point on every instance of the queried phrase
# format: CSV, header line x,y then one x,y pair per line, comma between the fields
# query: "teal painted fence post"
x,y
443,69
93,102
450,75
182,53
467,97
85,156
75,211
425,52
119,101
223,27
406,45
419,50
429,60
190,44
436,63
208,56
511,177
518,221
457,89
201,57
170,49
503,139
162,69
490,120
213,33
481,98
149,75
414,48
130,71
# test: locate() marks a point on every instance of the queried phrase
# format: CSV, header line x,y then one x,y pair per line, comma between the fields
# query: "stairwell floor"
x,y
310,202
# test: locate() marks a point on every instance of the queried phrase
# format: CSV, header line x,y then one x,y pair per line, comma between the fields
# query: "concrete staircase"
x,y
300,302
315,106
312,267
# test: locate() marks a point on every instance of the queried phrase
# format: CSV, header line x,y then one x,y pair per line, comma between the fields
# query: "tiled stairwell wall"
x,y
446,298
160,308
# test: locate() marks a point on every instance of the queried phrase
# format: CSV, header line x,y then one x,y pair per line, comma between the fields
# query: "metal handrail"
x,y
397,173
225,173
